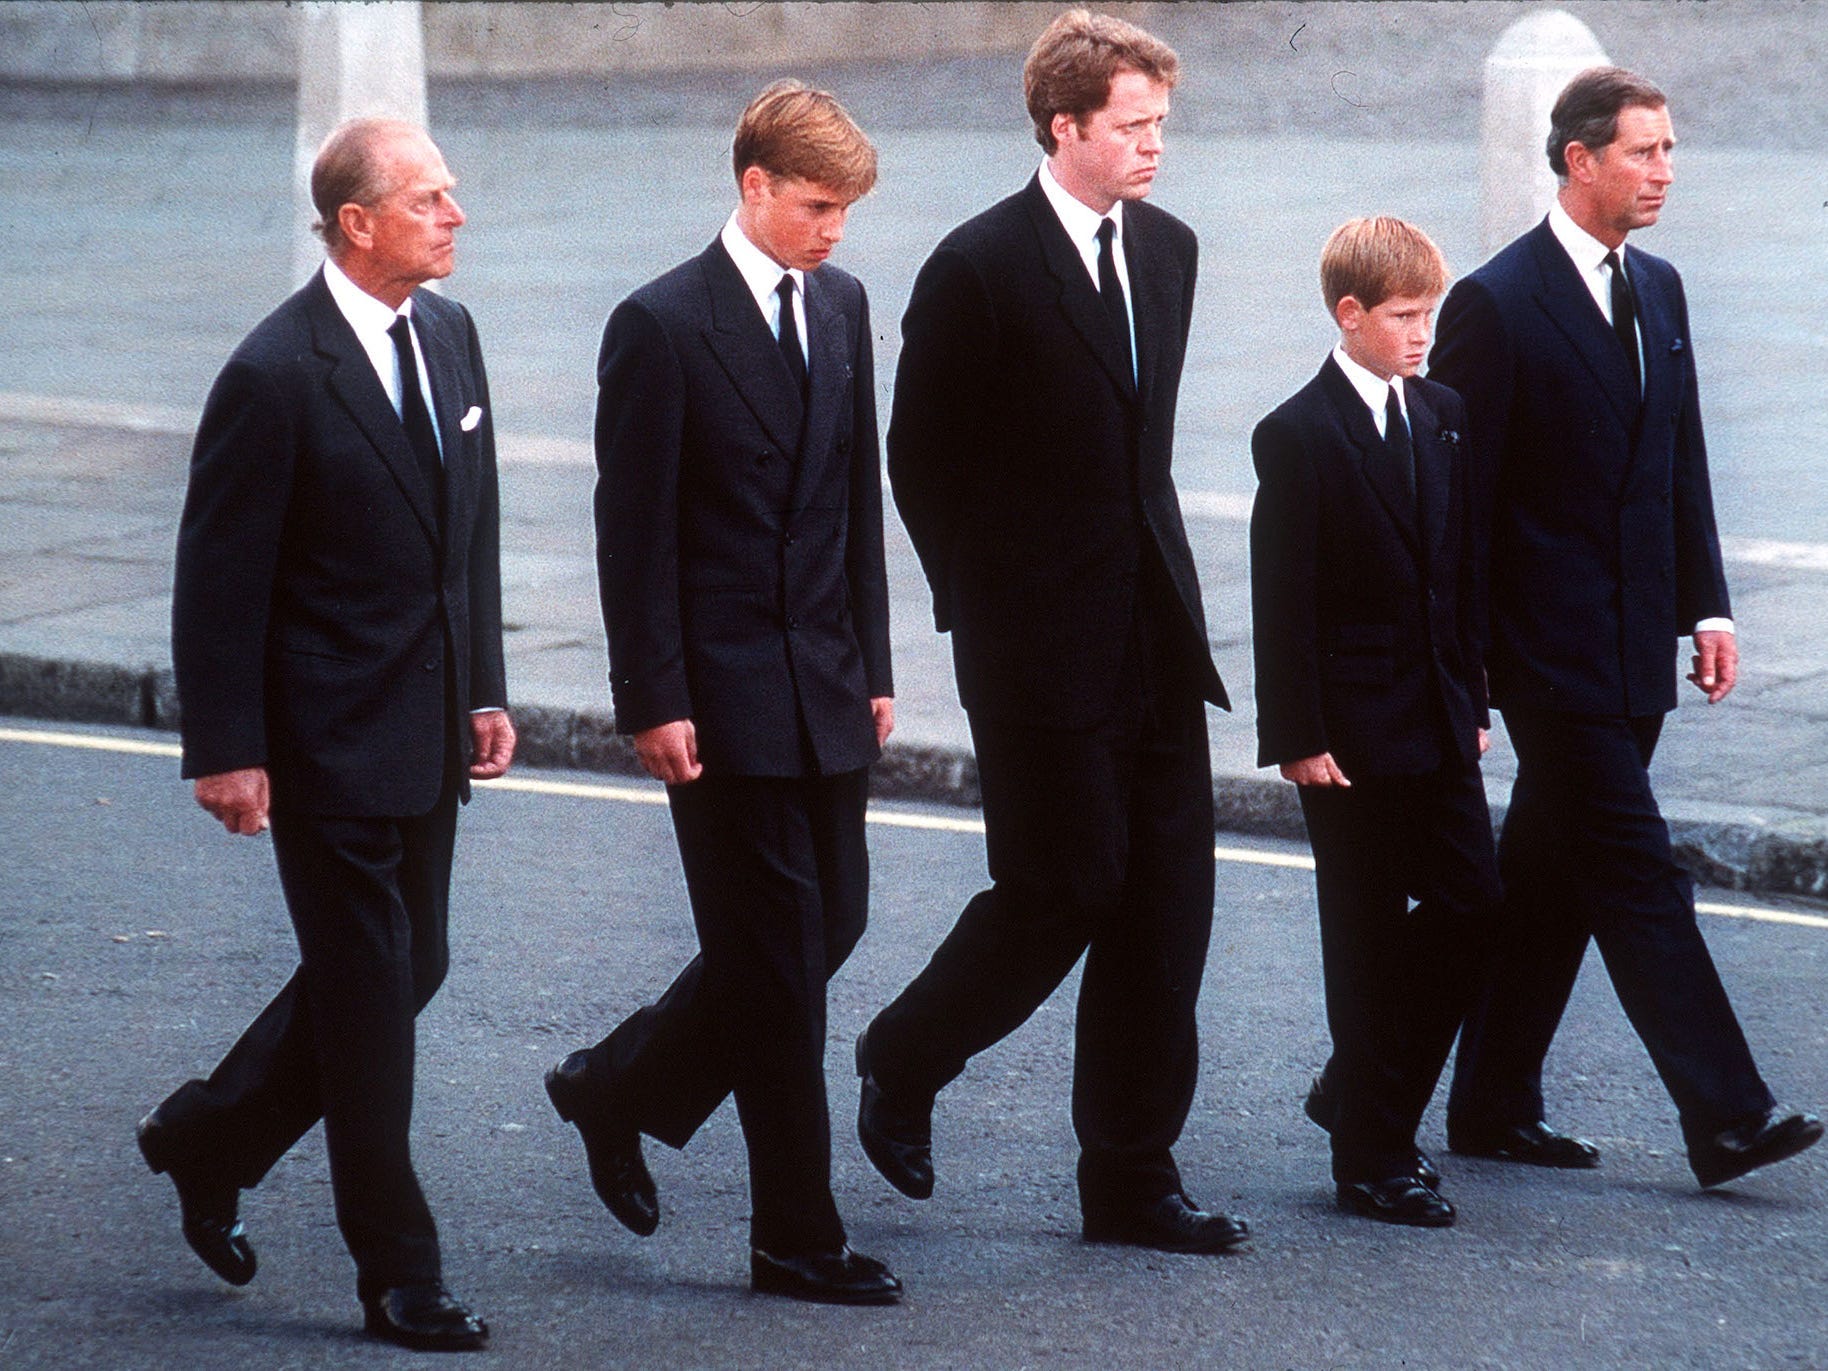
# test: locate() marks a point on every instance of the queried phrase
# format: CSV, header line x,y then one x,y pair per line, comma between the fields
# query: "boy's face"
x,y
1390,339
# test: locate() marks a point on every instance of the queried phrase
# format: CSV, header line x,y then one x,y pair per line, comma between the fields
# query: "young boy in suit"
x,y
1371,698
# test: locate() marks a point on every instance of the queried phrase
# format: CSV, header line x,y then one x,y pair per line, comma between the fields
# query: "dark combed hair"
x,y
1070,67
1587,110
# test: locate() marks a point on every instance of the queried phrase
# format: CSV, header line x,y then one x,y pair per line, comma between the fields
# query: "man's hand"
x,y
882,709
240,799
1321,770
492,732
1485,741
1716,662
669,752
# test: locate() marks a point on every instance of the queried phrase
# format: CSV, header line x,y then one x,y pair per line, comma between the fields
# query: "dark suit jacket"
x,y
1030,468
1363,610
316,618
1603,546
739,540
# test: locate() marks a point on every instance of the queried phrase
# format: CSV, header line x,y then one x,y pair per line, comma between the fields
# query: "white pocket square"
x,y
470,420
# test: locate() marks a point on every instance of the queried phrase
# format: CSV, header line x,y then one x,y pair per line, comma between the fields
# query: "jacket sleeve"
x,y
1701,591
864,567
1284,597
942,400
639,428
241,473
488,669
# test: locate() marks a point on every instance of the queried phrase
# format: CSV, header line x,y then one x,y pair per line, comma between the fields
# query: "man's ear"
x,y
357,225
1350,313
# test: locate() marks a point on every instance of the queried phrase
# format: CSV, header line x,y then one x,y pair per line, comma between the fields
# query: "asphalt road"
x,y
136,939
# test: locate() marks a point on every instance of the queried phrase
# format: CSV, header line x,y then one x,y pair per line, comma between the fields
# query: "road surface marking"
x,y
888,818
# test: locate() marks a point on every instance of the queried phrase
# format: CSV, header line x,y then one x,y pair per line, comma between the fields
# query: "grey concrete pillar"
x,y
1526,69
353,60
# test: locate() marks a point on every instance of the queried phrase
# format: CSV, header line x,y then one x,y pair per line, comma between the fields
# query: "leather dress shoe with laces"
x,y
1397,1199
841,1277
897,1135
618,1172
1758,1141
1170,1223
207,1206
425,1317
1535,1144
1323,1109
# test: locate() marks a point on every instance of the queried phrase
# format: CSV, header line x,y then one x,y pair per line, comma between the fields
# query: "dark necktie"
x,y
1625,316
1111,289
414,416
790,336
1396,438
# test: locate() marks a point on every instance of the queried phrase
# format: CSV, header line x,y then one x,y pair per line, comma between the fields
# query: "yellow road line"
x,y
889,818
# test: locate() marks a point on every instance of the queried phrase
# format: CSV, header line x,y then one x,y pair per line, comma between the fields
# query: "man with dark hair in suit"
x,y
1575,360
740,558
1371,698
1029,451
336,630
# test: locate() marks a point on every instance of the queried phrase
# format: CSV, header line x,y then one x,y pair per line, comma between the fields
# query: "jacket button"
x,y
430,666
793,621
764,456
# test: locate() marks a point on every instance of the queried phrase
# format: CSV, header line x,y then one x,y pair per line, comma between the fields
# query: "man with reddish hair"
x,y
1029,452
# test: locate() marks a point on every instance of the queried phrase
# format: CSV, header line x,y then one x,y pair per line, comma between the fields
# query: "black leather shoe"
x,y
841,1277
1171,1223
1759,1141
617,1170
207,1206
426,1318
1321,1107
1398,1199
897,1135
1535,1144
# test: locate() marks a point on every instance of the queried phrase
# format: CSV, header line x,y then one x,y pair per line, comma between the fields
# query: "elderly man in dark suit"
x,y
1574,356
336,629
1029,451
740,558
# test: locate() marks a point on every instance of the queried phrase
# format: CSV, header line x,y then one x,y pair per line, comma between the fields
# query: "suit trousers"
x,y
1100,842
1585,853
777,870
369,901
1399,979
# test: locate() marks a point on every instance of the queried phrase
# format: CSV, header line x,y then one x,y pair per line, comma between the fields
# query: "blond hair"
x,y
792,130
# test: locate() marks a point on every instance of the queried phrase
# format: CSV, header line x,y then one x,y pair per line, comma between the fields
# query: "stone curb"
x,y
1729,847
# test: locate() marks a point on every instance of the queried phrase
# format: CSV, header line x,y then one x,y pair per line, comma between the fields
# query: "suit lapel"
x,y
739,338
1433,471
828,335
1152,299
1078,296
444,365
1565,298
1658,333
353,382
1369,453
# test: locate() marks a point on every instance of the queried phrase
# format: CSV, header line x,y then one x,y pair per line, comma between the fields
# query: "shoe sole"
x,y
1800,1141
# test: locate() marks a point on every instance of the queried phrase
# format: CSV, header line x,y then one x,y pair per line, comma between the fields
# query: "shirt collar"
x,y
1586,250
1373,389
760,272
1079,219
366,315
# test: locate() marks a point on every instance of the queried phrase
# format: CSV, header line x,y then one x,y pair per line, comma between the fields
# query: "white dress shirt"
x,y
1589,257
371,318
762,274
1081,223
1373,389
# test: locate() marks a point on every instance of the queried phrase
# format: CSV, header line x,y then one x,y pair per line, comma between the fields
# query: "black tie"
x,y
1625,316
1111,289
1396,438
790,336
414,416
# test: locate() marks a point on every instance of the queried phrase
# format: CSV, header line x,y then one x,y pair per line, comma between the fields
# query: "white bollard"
x,y
1527,68
353,60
